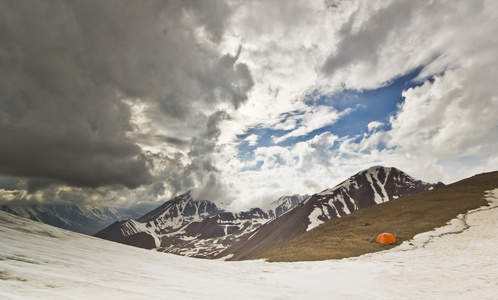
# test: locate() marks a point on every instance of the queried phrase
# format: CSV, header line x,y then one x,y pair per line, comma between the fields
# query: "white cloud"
x,y
453,114
373,125
252,139
269,162
315,118
301,168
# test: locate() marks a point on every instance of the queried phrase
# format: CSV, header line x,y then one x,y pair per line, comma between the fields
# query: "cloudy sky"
x,y
129,103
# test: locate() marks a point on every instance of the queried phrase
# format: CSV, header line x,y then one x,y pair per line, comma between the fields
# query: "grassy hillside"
x,y
354,234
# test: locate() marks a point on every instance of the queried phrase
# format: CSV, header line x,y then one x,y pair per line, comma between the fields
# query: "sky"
x,y
128,103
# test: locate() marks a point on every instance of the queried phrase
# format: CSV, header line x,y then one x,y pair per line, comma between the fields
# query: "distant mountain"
x,y
367,188
147,230
283,204
85,219
191,227
212,235
178,212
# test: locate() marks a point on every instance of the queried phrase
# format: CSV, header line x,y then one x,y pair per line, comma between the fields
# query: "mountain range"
x,y
87,219
199,228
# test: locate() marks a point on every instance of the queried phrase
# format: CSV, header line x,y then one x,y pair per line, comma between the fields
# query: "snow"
x,y
377,198
340,198
38,261
208,247
313,218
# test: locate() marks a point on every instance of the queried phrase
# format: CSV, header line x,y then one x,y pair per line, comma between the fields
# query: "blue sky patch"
x,y
370,105
365,107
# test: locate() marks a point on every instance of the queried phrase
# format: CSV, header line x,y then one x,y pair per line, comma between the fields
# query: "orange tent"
x,y
386,238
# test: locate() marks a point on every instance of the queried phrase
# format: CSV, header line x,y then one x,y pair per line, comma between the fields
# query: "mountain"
x,y
178,212
212,235
85,219
147,230
196,228
369,187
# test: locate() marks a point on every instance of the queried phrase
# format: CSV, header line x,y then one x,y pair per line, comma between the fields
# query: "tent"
x,y
386,238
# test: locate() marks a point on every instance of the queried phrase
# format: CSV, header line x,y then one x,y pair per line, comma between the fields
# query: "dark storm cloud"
x,y
149,139
9,183
67,66
232,80
201,168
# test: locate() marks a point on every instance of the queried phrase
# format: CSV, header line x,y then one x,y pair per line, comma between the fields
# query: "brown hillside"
x,y
354,234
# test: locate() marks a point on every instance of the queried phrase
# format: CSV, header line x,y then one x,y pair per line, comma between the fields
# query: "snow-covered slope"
x,y
86,219
39,261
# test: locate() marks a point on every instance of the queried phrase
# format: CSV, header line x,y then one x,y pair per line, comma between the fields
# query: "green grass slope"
x,y
354,234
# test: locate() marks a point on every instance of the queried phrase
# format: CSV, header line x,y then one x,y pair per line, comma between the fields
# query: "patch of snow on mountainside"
x,y
39,261
212,239
314,220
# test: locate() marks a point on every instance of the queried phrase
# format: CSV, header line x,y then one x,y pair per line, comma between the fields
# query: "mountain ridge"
x,y
191,227
86,219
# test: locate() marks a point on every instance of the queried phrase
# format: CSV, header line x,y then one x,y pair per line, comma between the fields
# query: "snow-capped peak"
x,y
371,186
